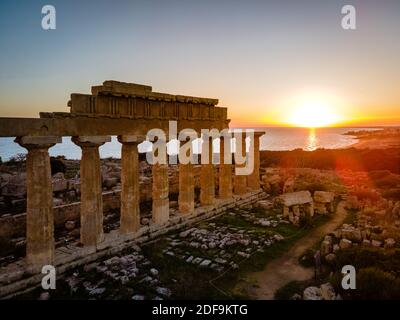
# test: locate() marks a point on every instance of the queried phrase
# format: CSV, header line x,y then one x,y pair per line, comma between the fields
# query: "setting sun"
x,y
313,114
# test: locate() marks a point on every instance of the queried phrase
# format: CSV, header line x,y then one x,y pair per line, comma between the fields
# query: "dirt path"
x,y
287,268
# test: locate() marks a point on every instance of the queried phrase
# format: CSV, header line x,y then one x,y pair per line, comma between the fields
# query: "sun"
x,y
312,114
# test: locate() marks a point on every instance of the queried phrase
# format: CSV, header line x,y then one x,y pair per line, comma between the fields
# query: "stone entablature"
x,y
296,198
134,101
124,89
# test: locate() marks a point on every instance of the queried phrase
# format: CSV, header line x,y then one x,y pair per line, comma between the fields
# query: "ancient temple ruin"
x,y
324,202
127,111
296,205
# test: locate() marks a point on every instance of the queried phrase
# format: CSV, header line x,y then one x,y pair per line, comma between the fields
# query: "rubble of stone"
x,y
217,245
324,292
209,245
291,188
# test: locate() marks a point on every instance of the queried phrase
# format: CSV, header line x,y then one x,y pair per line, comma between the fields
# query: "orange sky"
x,y
270,62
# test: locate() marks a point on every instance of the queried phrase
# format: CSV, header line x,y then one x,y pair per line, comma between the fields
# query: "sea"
x,y
277,139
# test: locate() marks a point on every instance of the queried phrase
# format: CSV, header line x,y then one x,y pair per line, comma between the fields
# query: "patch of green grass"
x,y
186,281
259,260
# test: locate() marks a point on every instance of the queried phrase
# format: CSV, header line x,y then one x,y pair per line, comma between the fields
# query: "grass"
x,y
188,281
206,284
258,261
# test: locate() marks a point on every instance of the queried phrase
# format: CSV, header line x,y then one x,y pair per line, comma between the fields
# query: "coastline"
x,y
380,139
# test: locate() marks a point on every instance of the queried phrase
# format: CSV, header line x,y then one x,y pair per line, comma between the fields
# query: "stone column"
x,y
186,184
285,211
160,188
253,180
160,193
91,189
130,195
225,169
39,211
240,181
310,209
296,210
186,188
207,182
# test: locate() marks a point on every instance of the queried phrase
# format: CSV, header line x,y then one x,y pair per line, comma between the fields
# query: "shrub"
x,y
370,257
57,165
288,290
375,284
306,221
307,259
17,159
393,194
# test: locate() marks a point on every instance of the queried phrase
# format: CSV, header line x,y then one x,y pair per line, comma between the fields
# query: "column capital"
x,y
131,139
90,141
37,142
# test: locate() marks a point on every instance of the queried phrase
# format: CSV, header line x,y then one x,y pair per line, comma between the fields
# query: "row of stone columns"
x,y
40,223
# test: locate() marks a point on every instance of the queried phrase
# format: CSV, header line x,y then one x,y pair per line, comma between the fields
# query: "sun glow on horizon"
x,y
313,114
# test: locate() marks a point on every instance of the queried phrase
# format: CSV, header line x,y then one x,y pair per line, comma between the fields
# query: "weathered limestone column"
x,y
207,182
285,211
253,180
225,169
160,188
186,184
310,209
91,189
240,181
130,196
39,211
160,193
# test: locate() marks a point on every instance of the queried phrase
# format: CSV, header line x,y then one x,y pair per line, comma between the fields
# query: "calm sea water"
x,y
274,139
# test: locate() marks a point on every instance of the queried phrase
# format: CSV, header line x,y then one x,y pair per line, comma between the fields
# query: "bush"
x,y
350,158
379,174
306,221
375,284
307,259
389,181
17,159
393,194
288,290
366,195
57,166
370,257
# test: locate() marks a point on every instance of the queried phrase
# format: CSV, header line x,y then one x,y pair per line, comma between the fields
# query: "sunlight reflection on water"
x,y
312,140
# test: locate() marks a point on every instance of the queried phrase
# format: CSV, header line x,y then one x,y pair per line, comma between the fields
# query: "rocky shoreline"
x,y
379,139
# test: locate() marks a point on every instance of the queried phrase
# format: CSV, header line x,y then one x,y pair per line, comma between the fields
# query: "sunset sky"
x,y
270,62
